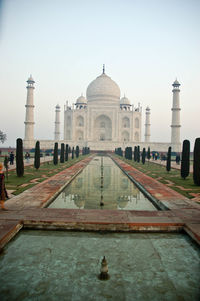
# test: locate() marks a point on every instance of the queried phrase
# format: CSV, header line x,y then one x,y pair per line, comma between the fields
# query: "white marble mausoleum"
x,y
103,120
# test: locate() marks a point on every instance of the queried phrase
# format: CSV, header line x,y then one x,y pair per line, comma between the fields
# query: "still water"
x,y
61,265
102,185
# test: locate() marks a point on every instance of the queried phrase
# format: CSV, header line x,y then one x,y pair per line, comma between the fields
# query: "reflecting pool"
x,y
103,185
61,265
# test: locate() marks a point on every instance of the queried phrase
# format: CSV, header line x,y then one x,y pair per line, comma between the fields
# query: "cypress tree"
x,y
72,152
83,151
62,153
77,151
138,154
143,155
168,166
135,153
196,162
126,153
185,160
148,153
37,155
19,158
130,153
55,154
66,152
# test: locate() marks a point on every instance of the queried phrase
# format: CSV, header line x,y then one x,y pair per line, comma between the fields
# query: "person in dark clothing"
x,y
3,192
11,158
178,159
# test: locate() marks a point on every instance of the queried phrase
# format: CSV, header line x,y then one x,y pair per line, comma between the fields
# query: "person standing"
x,y
3,192
27,157
11,158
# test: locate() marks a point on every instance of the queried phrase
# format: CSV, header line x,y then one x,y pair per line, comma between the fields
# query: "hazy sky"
x,y
144,44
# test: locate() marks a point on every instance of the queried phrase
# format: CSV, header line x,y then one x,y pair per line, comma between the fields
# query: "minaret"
x,y
57,124
147,126
29,119
175,131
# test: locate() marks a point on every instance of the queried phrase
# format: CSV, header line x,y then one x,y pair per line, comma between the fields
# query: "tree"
x,y
135,153
185,160
62,153
5,163
77,151
196,162
126,153
148,153
2,137
143,155
138,154
55,154
37,155
168,166
66,152
19,158
130,153
72,152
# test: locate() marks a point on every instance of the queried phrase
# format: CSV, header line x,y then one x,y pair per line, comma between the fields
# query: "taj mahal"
x,y
103,120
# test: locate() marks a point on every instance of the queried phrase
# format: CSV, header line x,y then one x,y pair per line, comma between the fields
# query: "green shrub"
x,y
19,158
37,155
55,154
168,166
62,153
185,160
196,162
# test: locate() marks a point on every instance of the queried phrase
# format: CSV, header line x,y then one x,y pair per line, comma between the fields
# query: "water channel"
x,y
61,265
103,185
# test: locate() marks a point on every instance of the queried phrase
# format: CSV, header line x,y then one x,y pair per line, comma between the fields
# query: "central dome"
x,y
103,87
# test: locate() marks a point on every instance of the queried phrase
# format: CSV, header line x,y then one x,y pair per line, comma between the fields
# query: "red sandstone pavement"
x,y
27,209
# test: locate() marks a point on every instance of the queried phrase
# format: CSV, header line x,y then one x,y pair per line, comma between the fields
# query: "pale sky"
x,y
144,44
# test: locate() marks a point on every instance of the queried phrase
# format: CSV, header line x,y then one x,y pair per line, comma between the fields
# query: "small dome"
x,y
103,87
30,79
57,107
124,101
147,108
81,100
176,83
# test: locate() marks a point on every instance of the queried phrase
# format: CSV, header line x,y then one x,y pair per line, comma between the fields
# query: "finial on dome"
x,y
103,68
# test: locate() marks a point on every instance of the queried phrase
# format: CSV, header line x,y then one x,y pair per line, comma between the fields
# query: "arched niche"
x,y
68,135
80,121
79,135
103,128
137,123
136,137
125,136
126,122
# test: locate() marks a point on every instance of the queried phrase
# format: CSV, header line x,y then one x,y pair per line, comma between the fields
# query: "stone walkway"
x,y
28,209
30,162
173,164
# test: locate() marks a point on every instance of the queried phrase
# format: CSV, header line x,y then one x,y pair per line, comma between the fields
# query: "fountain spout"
x,y
104,270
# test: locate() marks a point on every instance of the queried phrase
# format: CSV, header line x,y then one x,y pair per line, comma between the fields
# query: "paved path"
x,y
173,164
31,162
27,210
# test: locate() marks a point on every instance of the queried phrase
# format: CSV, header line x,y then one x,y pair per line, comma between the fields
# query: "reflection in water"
x,y
102,181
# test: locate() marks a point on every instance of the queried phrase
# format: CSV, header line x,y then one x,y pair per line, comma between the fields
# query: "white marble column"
x,y
57,124
175,126
147,126
29,118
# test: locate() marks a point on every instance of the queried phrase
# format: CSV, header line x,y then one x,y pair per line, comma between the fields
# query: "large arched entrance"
x,y
103,128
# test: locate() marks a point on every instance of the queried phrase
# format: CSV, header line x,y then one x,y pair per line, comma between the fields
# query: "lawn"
x,y
172,179
32,176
